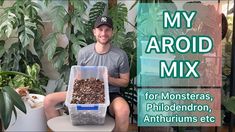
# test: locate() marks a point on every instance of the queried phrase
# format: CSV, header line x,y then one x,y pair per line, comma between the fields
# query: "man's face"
x,y
103,34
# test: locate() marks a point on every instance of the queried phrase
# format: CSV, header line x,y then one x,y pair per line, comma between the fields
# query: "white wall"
x,y
131,14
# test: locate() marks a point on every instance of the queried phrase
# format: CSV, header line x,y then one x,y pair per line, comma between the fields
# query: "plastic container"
x,y
87,114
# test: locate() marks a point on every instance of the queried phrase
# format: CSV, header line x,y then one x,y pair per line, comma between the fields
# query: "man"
x,y
102,53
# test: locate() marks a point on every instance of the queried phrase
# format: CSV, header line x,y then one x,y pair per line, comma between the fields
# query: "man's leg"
x,y
120,109
50,102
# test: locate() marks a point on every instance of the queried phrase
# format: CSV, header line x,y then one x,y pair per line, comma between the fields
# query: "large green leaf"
x,y
58,14
96,10
15,113
50,45
230,104
6,23
75,48
3,112
60,57
26,31
18,81
118,38
7,112
2,49
39,23
129,45
2,104
1,2
24,38
33,71
38,44
78,42
11,58
16,61
79,5
119,15
81,38
78,23
9,29
36,5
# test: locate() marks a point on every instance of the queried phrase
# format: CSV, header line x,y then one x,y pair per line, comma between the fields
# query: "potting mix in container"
x,y
88,95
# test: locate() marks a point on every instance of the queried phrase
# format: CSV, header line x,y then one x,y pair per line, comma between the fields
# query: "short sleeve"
x,y
124,64
80,58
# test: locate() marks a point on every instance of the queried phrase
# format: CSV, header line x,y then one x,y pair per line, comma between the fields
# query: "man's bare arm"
x,y
123,81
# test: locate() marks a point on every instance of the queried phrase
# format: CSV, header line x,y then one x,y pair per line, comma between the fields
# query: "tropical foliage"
x,y
227,101
9,99
80,33
22,21
20,53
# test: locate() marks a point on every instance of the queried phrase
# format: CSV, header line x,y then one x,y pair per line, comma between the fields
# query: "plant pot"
x,y
34,120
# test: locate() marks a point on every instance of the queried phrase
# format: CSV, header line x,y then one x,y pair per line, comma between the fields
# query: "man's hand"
x,y
122,81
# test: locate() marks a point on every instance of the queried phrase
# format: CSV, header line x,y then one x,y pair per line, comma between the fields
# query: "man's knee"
x,y
125,111
48,100
51,100
122,111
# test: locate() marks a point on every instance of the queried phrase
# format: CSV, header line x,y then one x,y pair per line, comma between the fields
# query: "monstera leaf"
x,y
58,13
229,104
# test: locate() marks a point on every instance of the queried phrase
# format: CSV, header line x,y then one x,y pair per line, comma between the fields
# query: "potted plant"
x,y
20,48
10,99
